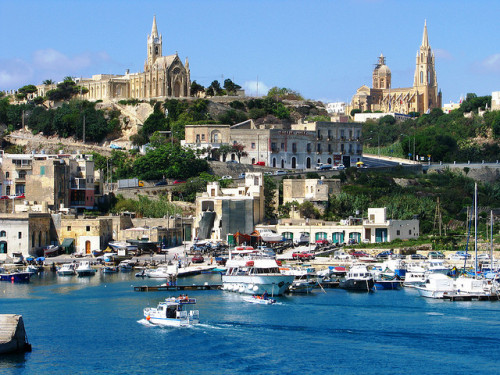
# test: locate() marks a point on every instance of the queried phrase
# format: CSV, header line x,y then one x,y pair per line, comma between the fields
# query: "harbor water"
x,y
95,325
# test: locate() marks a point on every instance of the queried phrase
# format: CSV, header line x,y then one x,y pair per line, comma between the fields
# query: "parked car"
x,y
435,255
226,177
304,255
115,147
459,255
483,257
232,161
242,175
179,182
352,241
359,254
322,167
4,197
280,173
262,163
384,255
161,183
322,241
417,257
338,167
464,254
197,258
341,255
268,173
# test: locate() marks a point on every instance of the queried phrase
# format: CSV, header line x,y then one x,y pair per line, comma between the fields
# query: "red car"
x,y
262,163
179,182
322,241
359,254
304,255
198,258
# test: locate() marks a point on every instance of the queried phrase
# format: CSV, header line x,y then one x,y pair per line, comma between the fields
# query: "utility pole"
x,y
437,217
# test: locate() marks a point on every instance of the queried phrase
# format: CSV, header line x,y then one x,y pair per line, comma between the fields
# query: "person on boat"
x,y
265,295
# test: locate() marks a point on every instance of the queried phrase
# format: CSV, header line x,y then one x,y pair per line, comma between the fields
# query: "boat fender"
x,y
148,318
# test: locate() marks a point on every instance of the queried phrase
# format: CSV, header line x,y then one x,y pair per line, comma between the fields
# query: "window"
x,y
19,235
88,228
203,137
282,146
68,228
294,147
308,147
42,170
318,147
398,232
329,147
329,133
342,135
7,174
253,145
421,77
197,138
3,234
409,232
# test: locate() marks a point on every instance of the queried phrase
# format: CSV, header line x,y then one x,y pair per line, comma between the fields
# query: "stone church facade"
x,y
422,97
163,77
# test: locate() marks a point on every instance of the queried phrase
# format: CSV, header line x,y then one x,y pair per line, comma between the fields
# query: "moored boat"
x,y
67,269
358,278
253,274
173,312
84,269
16,276
435,286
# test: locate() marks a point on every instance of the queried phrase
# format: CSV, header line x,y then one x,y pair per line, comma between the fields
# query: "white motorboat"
x,y
67,269
268,235
125,266
358,278
413,279
305,279
436,266
253,274
471,286
163,272
261,300
173,312
436,286
123,248
84,269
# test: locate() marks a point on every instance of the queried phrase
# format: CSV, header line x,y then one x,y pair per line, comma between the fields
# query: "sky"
x,y
323,49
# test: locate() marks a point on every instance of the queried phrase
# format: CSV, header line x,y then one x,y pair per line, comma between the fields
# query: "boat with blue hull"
x,y
16,277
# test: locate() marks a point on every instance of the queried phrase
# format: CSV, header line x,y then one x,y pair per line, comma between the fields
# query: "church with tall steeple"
x,y
163,77
422,97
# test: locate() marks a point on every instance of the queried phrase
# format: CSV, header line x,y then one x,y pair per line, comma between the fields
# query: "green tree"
x,y
48,82
354,111
224,150
239,150
231,87
196,88
23,92
269,197
215,89
280,93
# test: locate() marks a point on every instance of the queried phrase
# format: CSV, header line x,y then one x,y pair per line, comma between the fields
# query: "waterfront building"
x,y
495,101
298,146
88,233
163,77
421,97
221,211
24,233
376,228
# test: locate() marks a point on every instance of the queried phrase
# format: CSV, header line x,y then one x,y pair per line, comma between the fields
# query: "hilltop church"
x,y
163,76
422,97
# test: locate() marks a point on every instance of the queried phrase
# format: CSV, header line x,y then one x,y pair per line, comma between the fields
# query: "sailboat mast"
x,y
475,227
491,238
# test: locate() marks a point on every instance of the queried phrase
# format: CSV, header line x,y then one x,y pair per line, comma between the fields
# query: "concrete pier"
x,y
12,334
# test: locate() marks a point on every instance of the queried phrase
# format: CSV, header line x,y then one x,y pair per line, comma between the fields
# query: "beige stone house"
x,y
88,233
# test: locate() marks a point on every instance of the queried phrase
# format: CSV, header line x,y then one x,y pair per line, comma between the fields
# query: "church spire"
x,y
425,38
154,30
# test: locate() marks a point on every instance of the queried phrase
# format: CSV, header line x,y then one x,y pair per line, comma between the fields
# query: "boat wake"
x,y
435,314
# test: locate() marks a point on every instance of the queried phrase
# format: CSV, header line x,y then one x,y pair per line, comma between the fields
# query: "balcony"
x,y
78,184
20,180
23,167
275,150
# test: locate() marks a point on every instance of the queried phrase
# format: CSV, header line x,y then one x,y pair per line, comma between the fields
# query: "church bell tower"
x,y
425,80
154,46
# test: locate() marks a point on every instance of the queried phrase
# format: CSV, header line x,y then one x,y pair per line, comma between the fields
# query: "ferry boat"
x,y
254,274
67,269
358,278
173,312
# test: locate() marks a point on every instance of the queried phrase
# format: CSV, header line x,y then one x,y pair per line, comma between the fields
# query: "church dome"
x,y
384,70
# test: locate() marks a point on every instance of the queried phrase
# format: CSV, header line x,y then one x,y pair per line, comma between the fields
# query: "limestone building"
x,y
421,97
163,77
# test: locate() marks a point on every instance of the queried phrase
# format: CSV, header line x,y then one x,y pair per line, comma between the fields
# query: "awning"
x,y
68,242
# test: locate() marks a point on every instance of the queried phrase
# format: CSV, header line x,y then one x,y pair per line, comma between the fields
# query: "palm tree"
x,y
48,82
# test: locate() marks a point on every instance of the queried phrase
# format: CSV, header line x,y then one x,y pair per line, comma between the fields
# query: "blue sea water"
x,y
93,325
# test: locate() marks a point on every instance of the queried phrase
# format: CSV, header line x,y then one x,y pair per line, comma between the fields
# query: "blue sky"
x,y
323,49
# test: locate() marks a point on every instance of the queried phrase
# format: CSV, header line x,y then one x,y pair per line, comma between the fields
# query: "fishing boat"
x,y
358,278
84,269
16,276
109,269
255,274
436,286
125,266
67,269
260,300
173,312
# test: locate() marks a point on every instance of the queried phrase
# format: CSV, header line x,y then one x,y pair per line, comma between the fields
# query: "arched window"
x,y
294,162
253,160
3,234
39,238
282,163
308,163
274,162
421,77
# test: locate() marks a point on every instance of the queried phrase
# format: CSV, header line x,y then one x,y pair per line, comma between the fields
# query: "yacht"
x,y
84,269
305,279
173,312
67,269
436,286
268,235
415,278
359,278
437,266
254,274
163,272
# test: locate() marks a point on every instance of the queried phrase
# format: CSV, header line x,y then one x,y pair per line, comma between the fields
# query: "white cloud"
x,y
48,64
443,54
255,88
491,63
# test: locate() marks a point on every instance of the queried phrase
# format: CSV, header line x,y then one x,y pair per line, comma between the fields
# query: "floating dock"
x,y
163,287
13,337
472,297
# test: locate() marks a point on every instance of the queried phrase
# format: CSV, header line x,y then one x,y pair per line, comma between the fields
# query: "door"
x,y
87,247
381,235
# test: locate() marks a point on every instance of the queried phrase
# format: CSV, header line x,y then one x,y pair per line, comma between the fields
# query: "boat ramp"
x,y
13,337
